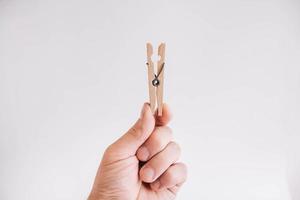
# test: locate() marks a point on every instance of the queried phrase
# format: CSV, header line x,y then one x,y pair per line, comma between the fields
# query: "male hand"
x,y
141,165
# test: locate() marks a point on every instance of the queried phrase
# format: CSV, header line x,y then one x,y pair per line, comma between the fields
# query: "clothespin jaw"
x,y
156,81
151,77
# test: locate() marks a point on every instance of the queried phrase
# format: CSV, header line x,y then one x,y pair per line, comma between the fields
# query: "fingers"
x,y
128,144
158,140
157,165
166,116
174,177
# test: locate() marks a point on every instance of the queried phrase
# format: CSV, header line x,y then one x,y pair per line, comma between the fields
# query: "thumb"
x,y
128,144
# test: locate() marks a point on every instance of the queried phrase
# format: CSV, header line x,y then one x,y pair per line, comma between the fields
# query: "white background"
x,y
73,79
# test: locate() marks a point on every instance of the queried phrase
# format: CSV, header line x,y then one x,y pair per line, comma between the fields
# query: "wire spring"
x,y
155,81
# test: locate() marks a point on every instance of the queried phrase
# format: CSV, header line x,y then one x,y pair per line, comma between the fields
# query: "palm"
x,y
124,176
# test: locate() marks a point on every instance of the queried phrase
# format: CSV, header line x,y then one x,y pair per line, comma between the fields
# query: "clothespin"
x,y
156,80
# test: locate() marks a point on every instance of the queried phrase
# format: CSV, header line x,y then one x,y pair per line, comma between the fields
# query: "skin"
x,y
142,164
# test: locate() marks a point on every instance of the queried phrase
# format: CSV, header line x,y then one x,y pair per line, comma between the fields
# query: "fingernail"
x,y
148,174
143,110
156,185
143,154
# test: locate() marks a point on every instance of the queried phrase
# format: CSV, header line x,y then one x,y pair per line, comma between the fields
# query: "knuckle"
x,y
169,177
184,170
159,139
168,132
164,130
177,174
167,129
175,147
156,143
163,134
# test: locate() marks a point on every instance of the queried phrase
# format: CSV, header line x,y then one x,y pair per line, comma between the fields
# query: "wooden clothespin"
x,y
156,80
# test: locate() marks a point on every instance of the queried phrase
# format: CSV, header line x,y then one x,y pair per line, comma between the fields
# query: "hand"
x,y
141,165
